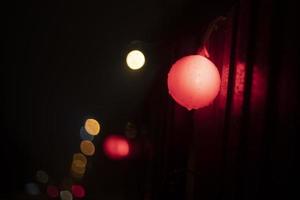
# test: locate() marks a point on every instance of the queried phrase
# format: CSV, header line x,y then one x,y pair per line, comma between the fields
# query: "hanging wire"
x,y
213,26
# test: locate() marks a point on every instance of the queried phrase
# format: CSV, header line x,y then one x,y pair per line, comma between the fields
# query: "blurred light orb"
x,y
76,176
116,147
87,147
52,191
42,176
92,127
78,167
80,157
66,195
32,189
194,82
84,135
78,191
135,59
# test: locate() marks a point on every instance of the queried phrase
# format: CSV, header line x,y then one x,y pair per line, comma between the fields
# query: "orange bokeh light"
x,y
78,166
92,126
87,147
80,157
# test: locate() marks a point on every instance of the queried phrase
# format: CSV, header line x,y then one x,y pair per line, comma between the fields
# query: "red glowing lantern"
x,y
194,81
116,147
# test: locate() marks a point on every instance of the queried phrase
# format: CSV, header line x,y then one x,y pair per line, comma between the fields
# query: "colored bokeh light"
x,y
78,167
76,176
52,191
84,135
92,127
116,147
66,195
135,59
87,147
80,157
194,82
78,191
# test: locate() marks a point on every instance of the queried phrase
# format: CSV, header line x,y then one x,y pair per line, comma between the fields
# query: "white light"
x,y
135,59
66,195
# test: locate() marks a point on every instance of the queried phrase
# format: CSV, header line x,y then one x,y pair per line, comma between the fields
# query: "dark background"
x,y
63,62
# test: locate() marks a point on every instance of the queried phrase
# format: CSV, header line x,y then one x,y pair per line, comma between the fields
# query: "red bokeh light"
x,y
78,191
194,82
116,147
52,191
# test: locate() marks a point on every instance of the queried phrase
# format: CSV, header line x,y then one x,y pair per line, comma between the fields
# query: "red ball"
x,y
194,82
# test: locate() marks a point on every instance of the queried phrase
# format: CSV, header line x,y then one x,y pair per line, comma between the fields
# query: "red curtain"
x,y
242,146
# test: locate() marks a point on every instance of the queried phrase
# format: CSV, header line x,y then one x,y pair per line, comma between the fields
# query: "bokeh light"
x,y
52,191
42,176
32,189
66,195
76,176
135,59
92,127
80,157
78,166
84,135
87,147
78,191
116,147
194,82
